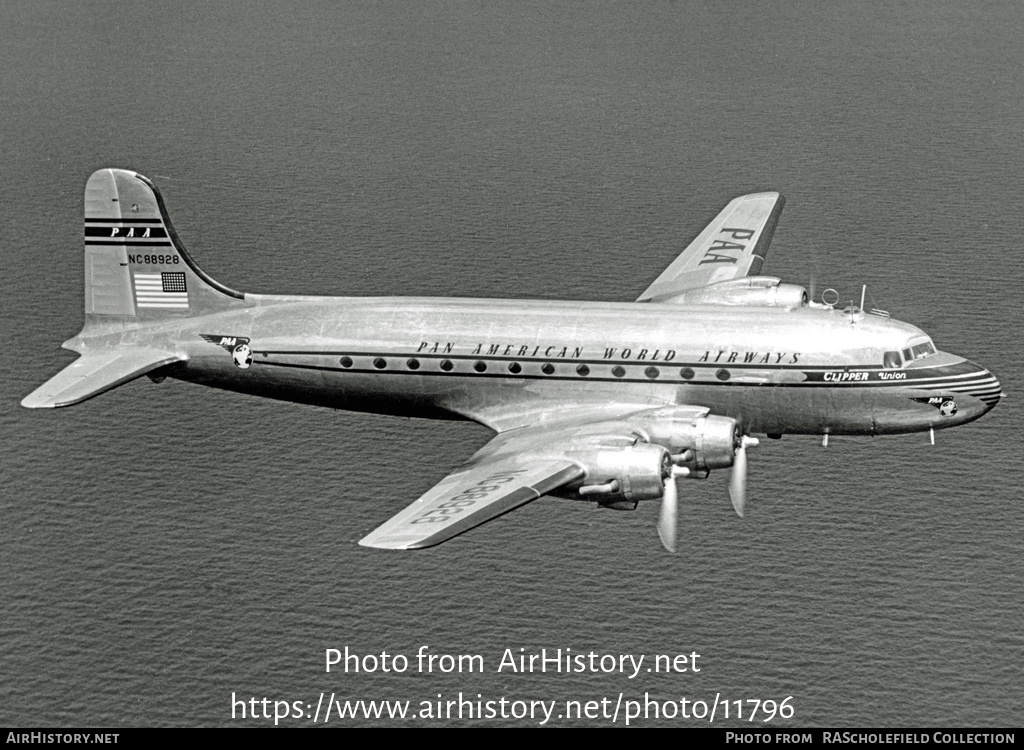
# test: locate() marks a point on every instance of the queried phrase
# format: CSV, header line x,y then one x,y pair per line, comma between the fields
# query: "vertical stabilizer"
x,y
136,268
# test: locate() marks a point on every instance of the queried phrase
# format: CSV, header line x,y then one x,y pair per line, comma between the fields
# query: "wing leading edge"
x,y
730,247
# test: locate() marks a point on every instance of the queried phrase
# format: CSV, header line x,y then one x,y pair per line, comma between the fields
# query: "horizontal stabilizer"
x,y
95,373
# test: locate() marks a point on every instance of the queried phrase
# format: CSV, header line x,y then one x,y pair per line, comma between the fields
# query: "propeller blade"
x,y
669,510
738,480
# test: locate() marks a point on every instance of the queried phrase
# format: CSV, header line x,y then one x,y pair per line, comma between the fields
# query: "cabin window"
x,y
892,360
582,370
618,371
480,366
346,361
380,363
548,368
686,373
651,372
515,368
722,374
446,365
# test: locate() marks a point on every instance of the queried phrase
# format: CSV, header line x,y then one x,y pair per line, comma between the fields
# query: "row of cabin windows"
x,y
547,368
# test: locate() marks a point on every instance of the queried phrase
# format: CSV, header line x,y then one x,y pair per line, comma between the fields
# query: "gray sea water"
x,y
165,547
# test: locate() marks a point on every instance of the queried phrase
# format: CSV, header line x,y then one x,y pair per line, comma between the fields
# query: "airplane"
x,y
607,402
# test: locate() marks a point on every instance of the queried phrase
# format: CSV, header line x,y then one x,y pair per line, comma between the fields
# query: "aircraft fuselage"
x,y
776,370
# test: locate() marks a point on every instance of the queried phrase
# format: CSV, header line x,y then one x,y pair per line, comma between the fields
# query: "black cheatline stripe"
x,y
974,388
156,221
128,243
955,387
150,233
923,381
958,376
576,378
929,383
980,383
968,378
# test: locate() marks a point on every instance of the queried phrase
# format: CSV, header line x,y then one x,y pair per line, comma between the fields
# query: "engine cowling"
x,y
708,441
714,442
619,477
751,291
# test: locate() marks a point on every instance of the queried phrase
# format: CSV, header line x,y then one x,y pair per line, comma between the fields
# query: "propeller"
x,y
738,480
668,520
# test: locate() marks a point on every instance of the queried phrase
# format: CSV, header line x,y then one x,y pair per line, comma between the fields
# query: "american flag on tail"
x,y
164,290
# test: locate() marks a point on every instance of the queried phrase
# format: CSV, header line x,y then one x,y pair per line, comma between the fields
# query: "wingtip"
x,y
32,401
767,195
388,542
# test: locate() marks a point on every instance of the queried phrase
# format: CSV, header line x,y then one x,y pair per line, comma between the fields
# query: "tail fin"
x,y
136,272
135,265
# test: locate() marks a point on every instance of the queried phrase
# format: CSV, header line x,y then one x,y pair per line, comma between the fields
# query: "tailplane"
x,y
95,373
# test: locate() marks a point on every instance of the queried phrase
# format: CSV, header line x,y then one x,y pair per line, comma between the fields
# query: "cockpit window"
x,y
924,349
892,360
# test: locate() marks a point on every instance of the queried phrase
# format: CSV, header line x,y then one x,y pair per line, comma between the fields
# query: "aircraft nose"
x,y
984,386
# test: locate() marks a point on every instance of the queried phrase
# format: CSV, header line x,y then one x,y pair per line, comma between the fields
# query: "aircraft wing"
x,y
730,247
518,466
482,489
94,373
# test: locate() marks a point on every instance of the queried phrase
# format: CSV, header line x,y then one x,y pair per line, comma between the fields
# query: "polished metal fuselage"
x,y
802,370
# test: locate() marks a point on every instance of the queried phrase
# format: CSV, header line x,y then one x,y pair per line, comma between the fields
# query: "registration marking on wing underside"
x,y
467,499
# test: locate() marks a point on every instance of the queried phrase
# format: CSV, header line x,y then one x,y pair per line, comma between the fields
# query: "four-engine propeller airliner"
x,y
598,401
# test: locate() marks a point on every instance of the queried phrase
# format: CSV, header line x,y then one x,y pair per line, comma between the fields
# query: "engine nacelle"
x,y
620,476
750,291
715,442
708,441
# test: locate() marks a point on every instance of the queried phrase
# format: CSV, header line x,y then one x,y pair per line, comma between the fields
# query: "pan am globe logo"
x,y
236,346
243,356
947,407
